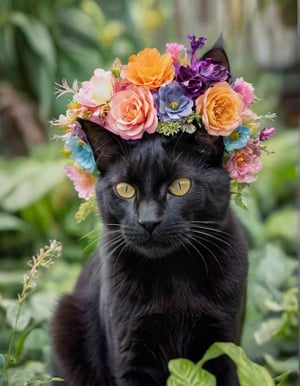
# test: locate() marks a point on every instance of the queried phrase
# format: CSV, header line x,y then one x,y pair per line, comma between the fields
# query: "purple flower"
x,y
266,133
192,83
196,44
196,79
172,103
212,70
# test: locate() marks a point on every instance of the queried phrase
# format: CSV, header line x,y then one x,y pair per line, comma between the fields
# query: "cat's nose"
x,y
149,215
149,225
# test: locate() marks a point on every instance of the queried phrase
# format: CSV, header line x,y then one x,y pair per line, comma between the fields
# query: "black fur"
x,y
154,292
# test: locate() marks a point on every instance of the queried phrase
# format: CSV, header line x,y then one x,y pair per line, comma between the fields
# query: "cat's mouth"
x,y
152,247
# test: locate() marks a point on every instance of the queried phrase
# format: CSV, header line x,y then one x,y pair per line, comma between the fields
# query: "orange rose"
x,y
149,68
220,108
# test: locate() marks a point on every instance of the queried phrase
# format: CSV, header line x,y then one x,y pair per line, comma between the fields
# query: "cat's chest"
x,y
167,296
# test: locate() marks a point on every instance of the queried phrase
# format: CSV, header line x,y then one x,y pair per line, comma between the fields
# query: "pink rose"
x,y
245,89
131,113
97,91
244,164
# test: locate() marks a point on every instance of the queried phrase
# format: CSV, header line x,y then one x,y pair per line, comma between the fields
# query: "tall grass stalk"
x,y
44,258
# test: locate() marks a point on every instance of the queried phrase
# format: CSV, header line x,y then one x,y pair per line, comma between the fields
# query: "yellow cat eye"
x,y
180,186
125,190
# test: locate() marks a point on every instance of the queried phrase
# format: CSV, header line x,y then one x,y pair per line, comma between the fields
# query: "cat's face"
x,y
159,194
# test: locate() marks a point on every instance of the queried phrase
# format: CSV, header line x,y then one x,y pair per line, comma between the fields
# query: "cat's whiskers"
x,y
187,240
210,236
92,242
114,243
201,242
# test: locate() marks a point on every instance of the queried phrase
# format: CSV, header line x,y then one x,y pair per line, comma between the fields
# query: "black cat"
x,y
169,276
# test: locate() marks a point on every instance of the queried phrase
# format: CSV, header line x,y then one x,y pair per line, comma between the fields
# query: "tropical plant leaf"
x,y
10,223
249,373
284,366
84,32
182,369
37,36
32,181
186,373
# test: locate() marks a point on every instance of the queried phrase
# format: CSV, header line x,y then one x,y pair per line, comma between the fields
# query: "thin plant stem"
x,y
44,258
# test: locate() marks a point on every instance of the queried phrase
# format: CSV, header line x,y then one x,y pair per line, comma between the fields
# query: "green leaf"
x,y
183,369
11,315
41,305
282,379
282,267
277,181
41,78
289,365
37,36
251,220
2,363
282,224
20,343
249,373
267,330
36,340
240,201
84,32
11,223
186,373
32,181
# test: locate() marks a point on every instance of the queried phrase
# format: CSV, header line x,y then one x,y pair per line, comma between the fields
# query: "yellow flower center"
x,y
174,105
66,152
234,136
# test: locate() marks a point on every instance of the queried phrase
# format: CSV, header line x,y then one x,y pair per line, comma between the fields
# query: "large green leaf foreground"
x,y
186,373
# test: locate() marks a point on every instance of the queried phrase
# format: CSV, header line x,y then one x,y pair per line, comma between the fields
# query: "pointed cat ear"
x,y
218,53
105,145
212,145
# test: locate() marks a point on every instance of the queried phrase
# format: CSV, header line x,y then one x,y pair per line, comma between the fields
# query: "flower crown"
x,y
165,93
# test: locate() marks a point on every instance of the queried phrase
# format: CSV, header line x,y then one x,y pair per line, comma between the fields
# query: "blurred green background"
x,y
45,41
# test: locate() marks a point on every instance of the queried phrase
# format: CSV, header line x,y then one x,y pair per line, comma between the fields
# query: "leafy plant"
x,y
43,259
33,207
186,373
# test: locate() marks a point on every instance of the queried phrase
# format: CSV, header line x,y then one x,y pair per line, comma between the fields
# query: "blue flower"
x,y
172,103
81,152
237,139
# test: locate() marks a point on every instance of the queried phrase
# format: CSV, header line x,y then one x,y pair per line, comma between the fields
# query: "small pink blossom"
x,y
244,164
97,91
266,133
248,115
176,50
245,89
131,113
84,182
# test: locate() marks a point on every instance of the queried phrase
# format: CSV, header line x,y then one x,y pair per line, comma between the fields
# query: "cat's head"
x,y
160,193
156,193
